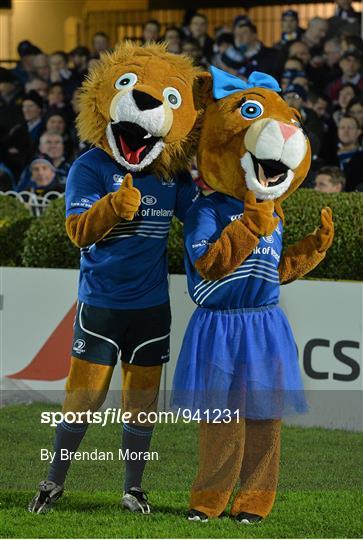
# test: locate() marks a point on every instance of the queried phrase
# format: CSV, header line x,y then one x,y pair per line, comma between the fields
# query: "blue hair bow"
x,y
225,84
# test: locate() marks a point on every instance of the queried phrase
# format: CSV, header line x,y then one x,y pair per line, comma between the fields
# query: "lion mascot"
x,y
141,109
238,371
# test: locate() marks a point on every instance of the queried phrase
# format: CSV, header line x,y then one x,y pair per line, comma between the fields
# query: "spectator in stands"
x,y
346,19
44,178
314,35
292,69
325,69
296,97
79,58
52,146
59,71
347,92
329,180
198,29
349,153
56,122
41,66
319,103
33,110
56,97
192,48
351,65
355,109
27,52
231,60
38,85
100,43
79,147
290,29
351,43
300,50
173,39
238,31
11,94
7,180
349,132
257,57
151,31
223,42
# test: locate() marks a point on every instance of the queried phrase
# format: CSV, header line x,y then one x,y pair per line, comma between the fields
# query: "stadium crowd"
x,y
319,69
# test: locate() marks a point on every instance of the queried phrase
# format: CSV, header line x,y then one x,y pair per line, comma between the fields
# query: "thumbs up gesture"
x,y
126,200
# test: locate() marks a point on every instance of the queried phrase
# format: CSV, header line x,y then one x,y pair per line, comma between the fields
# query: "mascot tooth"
x,y
141,109
238,369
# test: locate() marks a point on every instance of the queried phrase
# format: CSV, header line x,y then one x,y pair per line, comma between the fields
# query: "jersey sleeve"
x,y
187,192
201,229
84,187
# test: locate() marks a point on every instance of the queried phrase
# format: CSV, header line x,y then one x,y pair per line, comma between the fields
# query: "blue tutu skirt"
x,y
241,360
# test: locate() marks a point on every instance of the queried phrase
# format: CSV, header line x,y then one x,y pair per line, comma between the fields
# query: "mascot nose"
x,y
145,101
287,130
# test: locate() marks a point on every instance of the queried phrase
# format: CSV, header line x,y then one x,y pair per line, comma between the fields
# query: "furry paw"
x,y
325,233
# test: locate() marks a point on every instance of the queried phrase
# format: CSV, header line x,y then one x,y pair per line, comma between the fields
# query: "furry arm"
x,y
91,226
306,254
238,239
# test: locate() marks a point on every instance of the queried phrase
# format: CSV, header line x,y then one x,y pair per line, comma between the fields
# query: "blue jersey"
x,y
254,283
128,268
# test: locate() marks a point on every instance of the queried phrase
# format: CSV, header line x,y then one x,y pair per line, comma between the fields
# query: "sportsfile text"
x,y
116,416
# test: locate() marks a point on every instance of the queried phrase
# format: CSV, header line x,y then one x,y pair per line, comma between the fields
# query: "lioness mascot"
x,y
141,109
238,369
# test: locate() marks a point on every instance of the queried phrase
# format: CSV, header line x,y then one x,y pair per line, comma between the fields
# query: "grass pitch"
x,y
319,493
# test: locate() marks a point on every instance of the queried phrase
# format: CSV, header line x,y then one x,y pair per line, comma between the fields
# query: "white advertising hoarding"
x,y
37,310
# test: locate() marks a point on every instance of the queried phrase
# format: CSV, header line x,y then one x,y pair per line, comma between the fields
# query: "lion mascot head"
x,y
252,140
144,106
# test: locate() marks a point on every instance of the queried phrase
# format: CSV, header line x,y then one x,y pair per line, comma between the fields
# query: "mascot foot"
x,y
48,494
248,519
135,500
195,515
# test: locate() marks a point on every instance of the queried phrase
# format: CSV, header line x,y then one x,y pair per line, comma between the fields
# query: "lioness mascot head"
x,y
251,139
144,106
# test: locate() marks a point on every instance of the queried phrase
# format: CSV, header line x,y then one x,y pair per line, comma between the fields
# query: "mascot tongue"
x,y
132,156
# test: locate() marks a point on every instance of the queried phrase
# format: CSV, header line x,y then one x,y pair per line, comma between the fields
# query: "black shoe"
x,y
135,500
48,494
195,515
248,519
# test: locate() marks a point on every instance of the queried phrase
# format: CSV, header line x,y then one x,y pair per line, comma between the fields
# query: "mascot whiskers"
x,y
238,370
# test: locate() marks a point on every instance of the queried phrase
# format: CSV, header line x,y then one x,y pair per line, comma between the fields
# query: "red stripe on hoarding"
x,y
52,362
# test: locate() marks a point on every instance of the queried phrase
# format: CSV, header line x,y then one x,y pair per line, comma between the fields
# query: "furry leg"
x,y
140,391
87,385
260,468
220,457
86,389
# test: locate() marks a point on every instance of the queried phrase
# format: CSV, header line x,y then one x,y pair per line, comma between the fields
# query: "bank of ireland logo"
x,y
149,200
117,179
79,346
269,239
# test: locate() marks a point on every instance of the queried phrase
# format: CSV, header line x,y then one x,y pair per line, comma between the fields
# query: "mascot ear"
x,y
202,90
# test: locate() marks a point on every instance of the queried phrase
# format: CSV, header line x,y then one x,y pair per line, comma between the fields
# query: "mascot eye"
x,y
126,80
251,109
173,97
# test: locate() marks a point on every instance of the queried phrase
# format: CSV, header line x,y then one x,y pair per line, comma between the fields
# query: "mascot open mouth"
x,y
133,141
267,178
269,172
132,145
